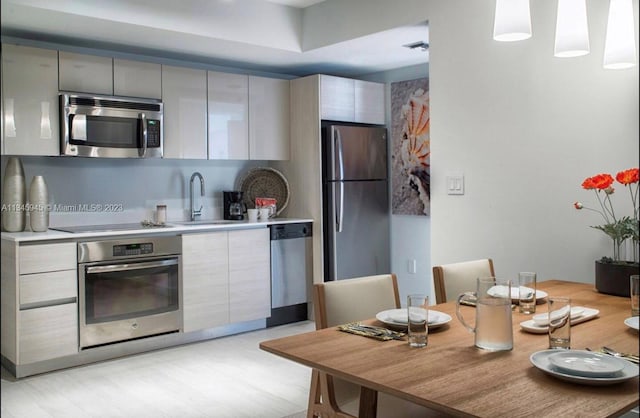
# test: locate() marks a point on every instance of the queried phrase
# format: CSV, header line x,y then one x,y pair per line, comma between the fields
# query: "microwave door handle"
x,y
143,119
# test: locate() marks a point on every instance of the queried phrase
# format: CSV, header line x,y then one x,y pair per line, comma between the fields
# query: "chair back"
x,y
348,300
452,279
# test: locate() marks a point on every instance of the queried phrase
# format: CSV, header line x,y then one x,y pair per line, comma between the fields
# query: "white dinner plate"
x,y
531,326
501,290
540,360
632,322
543,318
586,363
398,317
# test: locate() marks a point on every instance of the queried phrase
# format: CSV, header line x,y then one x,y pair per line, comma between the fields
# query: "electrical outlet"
x,y
412,266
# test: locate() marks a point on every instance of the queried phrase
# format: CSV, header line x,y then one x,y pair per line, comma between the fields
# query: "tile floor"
x,y
224,377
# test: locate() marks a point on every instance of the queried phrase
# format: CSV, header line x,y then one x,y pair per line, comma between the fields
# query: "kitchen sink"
x,y
206,222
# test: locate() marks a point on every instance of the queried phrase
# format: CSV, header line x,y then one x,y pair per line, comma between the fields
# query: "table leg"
x,y
368,403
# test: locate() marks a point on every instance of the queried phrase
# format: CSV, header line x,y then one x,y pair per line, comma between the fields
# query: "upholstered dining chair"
x,y
339,302
452,279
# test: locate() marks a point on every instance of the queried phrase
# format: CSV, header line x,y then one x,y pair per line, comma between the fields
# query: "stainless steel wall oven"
x,y
129,288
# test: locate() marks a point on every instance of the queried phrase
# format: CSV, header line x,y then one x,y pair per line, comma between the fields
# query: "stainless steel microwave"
x,y
110,127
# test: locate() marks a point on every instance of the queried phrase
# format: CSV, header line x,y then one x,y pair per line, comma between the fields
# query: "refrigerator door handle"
x,y
339,199
339,154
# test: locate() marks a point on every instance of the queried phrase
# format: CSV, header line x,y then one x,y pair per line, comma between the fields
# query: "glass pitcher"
x,y
493,328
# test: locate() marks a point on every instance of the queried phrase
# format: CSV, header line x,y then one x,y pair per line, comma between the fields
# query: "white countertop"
x,y
172,228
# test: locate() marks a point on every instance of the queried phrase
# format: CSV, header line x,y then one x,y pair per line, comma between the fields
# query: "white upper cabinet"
x,y
30,101
369,102
137,79
228,111
184,94
337,98
268,119
86,73
349,100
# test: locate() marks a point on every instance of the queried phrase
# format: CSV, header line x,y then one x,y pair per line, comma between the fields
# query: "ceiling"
x,y
262,35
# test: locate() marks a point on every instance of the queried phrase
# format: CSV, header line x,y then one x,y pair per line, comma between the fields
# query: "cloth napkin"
x,y
379,333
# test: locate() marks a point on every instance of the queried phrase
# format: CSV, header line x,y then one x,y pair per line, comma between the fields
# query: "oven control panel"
x,y
99,251
129,250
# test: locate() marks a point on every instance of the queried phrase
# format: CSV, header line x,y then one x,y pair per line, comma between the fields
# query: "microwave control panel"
x,y
153,133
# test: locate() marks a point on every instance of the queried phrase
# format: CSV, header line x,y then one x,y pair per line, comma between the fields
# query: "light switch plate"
x,y
455,183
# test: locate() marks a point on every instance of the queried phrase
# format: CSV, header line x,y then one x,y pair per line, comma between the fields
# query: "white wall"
x,y
526,129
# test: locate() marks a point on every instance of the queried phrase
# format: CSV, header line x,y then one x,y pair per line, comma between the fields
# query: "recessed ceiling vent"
x,y
421,45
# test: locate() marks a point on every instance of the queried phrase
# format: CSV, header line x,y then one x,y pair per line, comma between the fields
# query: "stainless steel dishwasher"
x,y
291,272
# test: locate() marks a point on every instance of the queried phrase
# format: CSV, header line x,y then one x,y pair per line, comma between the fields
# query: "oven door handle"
x,y
131,266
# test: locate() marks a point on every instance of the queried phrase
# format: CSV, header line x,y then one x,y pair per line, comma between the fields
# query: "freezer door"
x,y
356,153
357,229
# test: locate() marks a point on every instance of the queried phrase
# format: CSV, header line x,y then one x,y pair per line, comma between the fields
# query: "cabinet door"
x,y
205,280
228,99
30,101
184,94
249,275
86,73
268,118
337,98
46,333
137,79
48,287
369,102
40,258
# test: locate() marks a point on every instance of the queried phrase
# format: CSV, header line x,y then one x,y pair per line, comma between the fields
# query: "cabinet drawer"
x,y
50,286
47,333
47,257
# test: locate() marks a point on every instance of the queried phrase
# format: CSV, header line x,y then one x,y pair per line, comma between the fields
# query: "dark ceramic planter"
x,y
613,279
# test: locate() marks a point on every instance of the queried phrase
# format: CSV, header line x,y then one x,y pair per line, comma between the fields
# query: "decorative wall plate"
x,y
265,182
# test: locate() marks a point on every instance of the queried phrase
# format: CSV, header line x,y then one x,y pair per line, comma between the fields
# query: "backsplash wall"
x,y
136,186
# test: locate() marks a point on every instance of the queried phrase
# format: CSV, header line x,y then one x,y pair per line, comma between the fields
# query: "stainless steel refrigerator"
x,y
355,201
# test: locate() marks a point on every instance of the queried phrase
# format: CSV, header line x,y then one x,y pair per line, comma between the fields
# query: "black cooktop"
x,y
107,228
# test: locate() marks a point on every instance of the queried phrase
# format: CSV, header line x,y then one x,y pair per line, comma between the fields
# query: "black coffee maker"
x,y
234,208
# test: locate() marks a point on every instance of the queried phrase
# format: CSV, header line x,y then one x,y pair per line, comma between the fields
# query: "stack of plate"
x,y
398,318
584,367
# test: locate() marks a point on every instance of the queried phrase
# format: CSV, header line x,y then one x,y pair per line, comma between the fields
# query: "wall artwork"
x,y
411,148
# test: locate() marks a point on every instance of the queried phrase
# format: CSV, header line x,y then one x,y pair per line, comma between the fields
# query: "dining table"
x,y
454,378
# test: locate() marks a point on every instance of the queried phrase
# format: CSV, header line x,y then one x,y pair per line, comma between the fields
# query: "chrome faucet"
x,y
195,213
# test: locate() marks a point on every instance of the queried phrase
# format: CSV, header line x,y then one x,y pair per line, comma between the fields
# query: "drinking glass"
x,y
418,312
635,294
527,292
559,322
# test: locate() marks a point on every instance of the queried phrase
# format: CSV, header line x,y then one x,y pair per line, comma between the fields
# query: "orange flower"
x,y
627,176
617,228
599,181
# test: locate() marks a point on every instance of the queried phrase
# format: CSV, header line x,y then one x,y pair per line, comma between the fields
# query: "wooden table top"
x,y
453,376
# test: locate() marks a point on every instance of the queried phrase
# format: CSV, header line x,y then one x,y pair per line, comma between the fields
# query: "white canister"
x,y
252,215
161,214
264,214
38,205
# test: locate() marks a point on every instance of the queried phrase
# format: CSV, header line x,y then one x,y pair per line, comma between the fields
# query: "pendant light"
x,y
512,20
620,41
572,30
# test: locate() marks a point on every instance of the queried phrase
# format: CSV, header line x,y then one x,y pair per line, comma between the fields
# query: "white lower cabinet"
x,y
205,280
249,275
39,301
48,332
225,278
